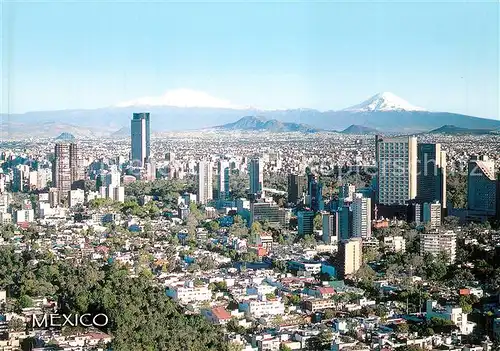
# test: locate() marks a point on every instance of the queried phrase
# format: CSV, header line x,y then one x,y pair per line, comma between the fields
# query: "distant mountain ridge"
x,y
360,130
65,136
122,132
258,123
385,112
454,130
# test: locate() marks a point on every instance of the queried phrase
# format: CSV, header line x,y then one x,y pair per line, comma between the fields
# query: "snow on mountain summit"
x,y
384,102
181,98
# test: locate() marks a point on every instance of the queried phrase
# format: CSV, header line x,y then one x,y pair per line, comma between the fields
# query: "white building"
x,y
115,193
205,187
350,257
347,192
432,214
5,200
25,216
103,192
438,242
361,216
32,179
264,307
43,176
119,194
45,210
5,218
43,197
113,177
223,174
397,169
395,243
190,293
76,197
451,313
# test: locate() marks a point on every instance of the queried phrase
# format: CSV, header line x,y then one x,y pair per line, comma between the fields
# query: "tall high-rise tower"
x,y
67,167
140,138
349,257
205,188
331,224
481,186
255,170
431,174
361,216
223,171
314,193
397,169
296,187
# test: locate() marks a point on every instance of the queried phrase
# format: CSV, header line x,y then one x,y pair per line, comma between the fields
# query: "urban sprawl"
x,y
217,240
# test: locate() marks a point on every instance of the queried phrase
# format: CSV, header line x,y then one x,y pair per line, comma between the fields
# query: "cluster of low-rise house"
x,y
277,308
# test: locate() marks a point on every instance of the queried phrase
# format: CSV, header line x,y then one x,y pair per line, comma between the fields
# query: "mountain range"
x,y
454,130
359,130
257,123
384,111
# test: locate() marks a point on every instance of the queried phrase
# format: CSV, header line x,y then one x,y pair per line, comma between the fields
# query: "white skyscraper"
x,y
76,197
119,194
255,170
43,176
204,182
361,216
113,177
397,169
223,179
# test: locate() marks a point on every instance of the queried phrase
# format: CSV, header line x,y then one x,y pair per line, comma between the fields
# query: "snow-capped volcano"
x,y
181,98
384,102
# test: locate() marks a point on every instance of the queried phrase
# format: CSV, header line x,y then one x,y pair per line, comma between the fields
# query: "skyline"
x,y
325,56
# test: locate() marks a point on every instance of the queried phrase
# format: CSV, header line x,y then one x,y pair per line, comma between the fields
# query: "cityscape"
x,y
277,240
237,177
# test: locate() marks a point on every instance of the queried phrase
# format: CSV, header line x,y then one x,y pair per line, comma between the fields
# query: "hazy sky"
x,y
442,56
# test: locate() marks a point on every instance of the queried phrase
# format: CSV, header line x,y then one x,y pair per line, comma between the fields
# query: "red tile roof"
x,y
221,313
327,290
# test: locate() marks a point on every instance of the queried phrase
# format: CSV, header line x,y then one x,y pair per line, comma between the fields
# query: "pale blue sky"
x,y
442,56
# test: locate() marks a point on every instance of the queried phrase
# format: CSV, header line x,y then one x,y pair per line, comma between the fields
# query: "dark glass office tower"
x,y
431,174
140,137
296,187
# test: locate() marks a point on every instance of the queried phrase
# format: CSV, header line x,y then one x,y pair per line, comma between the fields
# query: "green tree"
x,y
309,241
255,230
451,222
25,301
320,342
213,226
465,304
141,316
435,267
16,324
365,274
456,189
318,221
280,265
402,328
329,314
